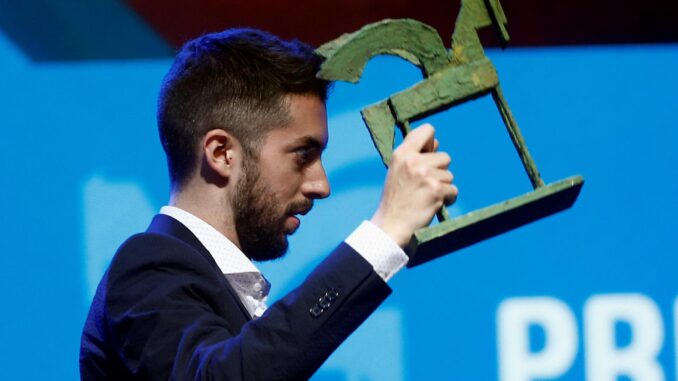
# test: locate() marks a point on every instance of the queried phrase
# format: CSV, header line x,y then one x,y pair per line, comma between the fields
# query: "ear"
x,y
220,150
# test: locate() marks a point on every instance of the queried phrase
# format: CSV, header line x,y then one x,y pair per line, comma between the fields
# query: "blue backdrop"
x,y
586,294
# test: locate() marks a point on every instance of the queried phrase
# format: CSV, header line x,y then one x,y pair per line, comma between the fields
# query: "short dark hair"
x,y
235,80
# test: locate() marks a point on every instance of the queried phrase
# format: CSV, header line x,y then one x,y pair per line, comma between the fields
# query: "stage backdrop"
x,y
588,294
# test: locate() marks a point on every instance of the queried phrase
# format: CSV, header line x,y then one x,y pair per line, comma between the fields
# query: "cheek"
x,y
282,180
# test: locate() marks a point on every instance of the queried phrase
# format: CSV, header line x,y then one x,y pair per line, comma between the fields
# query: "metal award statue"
x,y
450,78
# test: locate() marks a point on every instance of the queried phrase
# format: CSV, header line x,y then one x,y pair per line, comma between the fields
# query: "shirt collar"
x,y
229,258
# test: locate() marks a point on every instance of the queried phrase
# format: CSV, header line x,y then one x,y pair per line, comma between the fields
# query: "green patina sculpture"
x,y
450,78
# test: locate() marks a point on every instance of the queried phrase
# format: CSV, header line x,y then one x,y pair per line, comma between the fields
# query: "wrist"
x,y
395,231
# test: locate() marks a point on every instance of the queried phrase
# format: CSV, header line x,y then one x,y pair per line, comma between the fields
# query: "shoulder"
x,y
157,252
151,265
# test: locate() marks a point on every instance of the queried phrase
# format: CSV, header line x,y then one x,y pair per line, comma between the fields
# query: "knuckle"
x,y
396,157
435,187
421,171
411,163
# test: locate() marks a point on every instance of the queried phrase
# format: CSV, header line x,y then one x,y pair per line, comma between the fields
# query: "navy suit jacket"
x,y
164,310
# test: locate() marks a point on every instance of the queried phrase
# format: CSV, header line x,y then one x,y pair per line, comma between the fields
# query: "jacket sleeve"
x,y
168,316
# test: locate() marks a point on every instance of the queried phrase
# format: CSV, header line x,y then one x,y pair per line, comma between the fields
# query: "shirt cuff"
x,y
385,256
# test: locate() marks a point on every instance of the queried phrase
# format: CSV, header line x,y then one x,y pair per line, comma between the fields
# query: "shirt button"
x,y
257,287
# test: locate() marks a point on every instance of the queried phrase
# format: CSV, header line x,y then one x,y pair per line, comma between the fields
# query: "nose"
x,y
316,185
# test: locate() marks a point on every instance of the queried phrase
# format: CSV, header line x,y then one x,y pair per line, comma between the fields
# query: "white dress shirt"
x,y
385,256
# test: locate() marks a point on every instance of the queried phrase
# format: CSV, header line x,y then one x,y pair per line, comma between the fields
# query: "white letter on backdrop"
x,y
637,360
514,318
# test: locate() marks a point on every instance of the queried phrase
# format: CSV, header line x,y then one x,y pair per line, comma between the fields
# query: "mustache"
x,y
300,207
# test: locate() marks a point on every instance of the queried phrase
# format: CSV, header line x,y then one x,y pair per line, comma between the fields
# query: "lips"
x,y
292,221
292,224
302,212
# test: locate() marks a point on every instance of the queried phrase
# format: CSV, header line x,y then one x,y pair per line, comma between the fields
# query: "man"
x,y
242,120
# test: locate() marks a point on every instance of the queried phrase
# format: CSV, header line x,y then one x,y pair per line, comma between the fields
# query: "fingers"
x,y
436,159
450,194
442,175
442,188
418,184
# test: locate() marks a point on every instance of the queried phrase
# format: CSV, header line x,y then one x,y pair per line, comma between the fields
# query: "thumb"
x,y
419,140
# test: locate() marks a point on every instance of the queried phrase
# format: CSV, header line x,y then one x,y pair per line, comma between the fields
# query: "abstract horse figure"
x,y
450,78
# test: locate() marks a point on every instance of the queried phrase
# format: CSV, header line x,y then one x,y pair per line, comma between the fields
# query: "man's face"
x,y
284,181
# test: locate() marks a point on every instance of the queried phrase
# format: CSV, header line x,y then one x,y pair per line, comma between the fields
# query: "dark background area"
x,y
106,29
531,22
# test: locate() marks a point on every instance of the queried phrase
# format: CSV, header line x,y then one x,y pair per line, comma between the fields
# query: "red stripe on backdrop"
x,y
531,22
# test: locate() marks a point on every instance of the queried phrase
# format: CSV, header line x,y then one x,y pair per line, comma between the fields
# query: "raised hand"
x,y
417,185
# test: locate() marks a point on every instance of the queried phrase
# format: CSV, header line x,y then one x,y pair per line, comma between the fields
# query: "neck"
x,y
209,205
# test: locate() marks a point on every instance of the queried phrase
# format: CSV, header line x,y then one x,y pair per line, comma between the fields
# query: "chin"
x,y
271,253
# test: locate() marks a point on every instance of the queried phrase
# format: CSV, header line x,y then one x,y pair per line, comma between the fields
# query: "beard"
x,y
260,218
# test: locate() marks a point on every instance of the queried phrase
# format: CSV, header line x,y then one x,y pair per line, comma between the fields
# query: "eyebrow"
x,y
312,142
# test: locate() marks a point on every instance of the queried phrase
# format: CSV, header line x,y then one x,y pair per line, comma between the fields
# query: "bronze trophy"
x,y
451,78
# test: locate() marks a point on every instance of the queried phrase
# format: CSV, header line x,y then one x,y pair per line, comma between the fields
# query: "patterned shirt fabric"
x,y
253,289
385,256
246,280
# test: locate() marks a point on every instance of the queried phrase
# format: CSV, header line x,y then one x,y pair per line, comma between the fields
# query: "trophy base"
x,y
448,236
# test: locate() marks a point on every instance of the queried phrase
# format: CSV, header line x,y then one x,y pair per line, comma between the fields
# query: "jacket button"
x,y
324,302
316,311
332,294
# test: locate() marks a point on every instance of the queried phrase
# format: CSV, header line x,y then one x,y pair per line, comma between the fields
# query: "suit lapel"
x,y
163,224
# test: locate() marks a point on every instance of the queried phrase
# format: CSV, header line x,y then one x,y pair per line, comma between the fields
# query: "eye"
x,y
305,155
